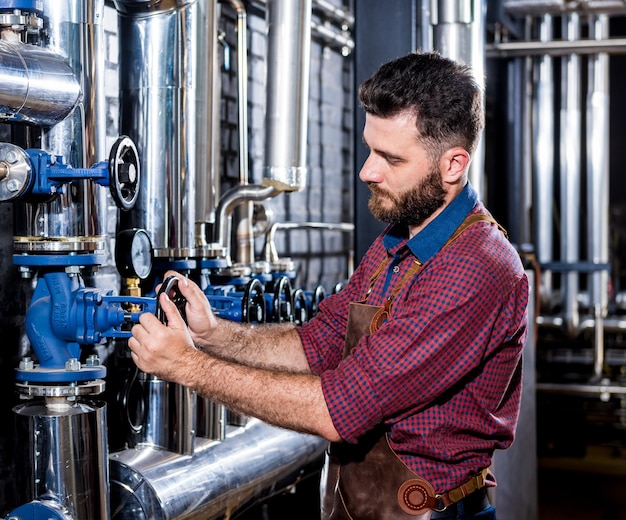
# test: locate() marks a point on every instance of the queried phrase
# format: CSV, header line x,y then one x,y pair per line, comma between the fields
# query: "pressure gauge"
x,y
133,253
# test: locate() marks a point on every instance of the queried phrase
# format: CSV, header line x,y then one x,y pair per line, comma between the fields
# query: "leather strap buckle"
x,y
473,484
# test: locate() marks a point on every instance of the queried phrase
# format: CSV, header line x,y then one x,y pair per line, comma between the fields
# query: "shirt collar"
x,y
432,238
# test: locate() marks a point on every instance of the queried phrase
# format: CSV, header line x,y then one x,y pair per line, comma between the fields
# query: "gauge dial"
x,y
133,253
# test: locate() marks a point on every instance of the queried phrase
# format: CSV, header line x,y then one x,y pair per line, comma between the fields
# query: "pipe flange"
x,y
29,389
17,20
15,172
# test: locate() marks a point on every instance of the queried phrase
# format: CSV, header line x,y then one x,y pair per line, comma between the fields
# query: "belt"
x,y
470,505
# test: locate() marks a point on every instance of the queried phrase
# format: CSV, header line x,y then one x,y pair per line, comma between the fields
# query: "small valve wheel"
x,y
124,173
283,301
253,303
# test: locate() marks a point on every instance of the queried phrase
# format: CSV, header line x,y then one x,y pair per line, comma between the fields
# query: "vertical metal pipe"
x,y
452,35
516,90
211,420
570,173
519,165
208,121
598,184
288,64
169,420
159,78
458,29
425,26
63,447
477,34
245,236
543,156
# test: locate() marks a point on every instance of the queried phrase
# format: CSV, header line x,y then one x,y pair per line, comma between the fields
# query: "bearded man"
x,y
412,372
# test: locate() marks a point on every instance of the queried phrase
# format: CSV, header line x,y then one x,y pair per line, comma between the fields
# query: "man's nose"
x,y
369,171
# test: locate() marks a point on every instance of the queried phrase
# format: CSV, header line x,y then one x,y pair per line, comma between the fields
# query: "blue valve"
x,y
37,172
39,510
63,315
51,172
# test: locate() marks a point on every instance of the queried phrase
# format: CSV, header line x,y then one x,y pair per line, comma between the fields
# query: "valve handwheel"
x,y
300,307
253,303
318,295
124,173
170,287
283,301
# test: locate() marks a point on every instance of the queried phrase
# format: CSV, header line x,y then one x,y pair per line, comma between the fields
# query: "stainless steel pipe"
x,y
160,83
458,32
169,410
597,147
36,85
570,173
65,452
289,50
543,156
207,189
217,479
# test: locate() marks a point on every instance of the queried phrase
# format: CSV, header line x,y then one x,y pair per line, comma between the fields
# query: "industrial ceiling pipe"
x,y
27,92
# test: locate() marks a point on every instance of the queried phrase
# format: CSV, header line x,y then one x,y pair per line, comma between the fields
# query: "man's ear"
x,y
454,164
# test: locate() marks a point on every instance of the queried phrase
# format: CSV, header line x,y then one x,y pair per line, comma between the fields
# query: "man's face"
x,y
406,186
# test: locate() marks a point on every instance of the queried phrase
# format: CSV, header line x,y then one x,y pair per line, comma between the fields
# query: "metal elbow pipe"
x,y
233,198
36,86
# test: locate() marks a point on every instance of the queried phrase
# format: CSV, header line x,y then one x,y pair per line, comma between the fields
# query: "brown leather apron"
x,y
367,480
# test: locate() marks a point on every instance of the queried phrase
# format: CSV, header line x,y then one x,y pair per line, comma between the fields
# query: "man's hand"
x,y
165,351
200,318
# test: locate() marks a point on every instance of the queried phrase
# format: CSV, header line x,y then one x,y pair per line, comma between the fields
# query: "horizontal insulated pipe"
x,y
217,480
36,86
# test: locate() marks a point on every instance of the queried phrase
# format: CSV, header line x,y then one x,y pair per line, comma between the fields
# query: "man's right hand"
x,y
200,318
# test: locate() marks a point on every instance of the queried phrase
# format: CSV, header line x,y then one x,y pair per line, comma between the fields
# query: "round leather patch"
x,y
413,496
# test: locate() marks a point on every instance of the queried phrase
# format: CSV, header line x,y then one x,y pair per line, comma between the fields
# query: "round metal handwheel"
x,y
300,307
124,173
318,295
253,303
283,301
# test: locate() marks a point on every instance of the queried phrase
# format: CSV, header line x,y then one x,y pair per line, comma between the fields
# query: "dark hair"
x,y
443,95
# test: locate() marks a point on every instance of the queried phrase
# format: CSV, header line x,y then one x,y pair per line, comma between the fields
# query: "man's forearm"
x,y
288,400
272,346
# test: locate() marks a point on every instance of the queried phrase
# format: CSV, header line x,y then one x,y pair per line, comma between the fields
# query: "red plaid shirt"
x,y
444,372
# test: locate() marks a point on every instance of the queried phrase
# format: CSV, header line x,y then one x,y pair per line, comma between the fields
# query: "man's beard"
x,y
411,207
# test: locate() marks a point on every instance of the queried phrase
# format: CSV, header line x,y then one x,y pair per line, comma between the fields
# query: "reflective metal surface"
x,y
64,455
286,118
74,31
217,479
26,92
160,84
169,420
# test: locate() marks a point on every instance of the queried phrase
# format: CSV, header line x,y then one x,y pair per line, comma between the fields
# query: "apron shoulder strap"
x,y
470,220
